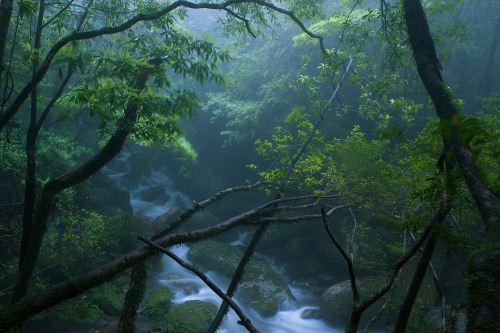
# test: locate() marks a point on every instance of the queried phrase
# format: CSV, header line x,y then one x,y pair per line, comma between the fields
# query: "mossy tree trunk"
x,y
5,14
483,287
134,297
31,138
58,184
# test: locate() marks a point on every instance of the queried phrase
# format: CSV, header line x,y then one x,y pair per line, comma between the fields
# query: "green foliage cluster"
x,y
400,181
259,89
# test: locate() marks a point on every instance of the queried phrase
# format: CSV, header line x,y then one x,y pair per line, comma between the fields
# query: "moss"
x,y
191,317
108,298
259,299
224,259
336,302
157,303
219,257
80,312
121,281
483,289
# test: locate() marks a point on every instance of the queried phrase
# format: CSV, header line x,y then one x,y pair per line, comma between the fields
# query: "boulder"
x,y
432,320
190,317
77,312
259,299
261,288
108,298
336,302
157,303
164,220
311,314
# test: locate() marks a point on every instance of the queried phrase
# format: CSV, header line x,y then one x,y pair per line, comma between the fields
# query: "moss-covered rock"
x,y
108,298
259,299
432,320
166,219
78,312
190,317
269,287
336,302
157,303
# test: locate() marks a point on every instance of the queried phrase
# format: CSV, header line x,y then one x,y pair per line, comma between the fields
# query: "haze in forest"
x,y
283,167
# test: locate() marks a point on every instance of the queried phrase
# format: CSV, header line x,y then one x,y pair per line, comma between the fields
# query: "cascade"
x,y
185,285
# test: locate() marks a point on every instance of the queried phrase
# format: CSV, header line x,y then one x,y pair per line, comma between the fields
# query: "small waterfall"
x,y
153,195
186,286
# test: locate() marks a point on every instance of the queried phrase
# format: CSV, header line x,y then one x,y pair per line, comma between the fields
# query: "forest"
x,y
231,166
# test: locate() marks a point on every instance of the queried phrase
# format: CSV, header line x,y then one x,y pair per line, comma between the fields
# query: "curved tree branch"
x,y
359,307
17,312
44,67
75,177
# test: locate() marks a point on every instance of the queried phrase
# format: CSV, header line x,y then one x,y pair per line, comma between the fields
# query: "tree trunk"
x,y
31,139
237,276
53,187
483,287
357,311
5,15
418,278
133,298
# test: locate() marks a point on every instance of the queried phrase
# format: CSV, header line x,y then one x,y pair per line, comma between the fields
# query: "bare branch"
x,y
244,321
59,13
354,288
320,119
438,216
28,306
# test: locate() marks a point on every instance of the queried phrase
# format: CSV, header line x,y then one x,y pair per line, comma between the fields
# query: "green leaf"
x,y
27,8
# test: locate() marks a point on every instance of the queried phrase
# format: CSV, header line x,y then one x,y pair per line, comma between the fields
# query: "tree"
x,y
142,116
483,264
393,188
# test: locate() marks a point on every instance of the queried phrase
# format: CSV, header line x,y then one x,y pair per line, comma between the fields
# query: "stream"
x,y
187,286
152,195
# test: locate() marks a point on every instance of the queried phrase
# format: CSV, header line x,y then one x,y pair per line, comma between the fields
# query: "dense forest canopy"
x,y
333,145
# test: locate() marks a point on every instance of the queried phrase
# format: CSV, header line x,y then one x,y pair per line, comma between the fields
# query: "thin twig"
x,y
247,23
350,266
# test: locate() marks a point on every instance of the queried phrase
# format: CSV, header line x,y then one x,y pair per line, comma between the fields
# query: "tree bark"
x,y
31,139
483,288
237,276
55,186
34,129
5,15
416,282
134,297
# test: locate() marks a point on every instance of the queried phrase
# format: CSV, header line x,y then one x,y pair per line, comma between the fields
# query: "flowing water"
x,y
185,285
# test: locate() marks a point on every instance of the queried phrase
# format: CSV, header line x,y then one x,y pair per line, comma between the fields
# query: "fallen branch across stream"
x,y
18,312
244,321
